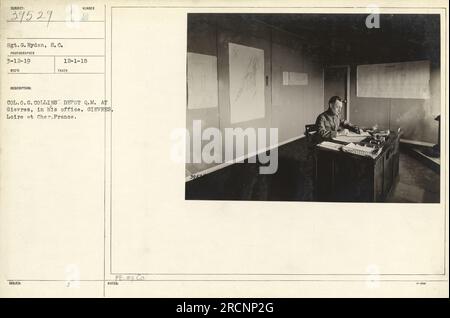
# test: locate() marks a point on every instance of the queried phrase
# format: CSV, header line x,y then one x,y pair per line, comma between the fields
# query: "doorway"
x,y
337,82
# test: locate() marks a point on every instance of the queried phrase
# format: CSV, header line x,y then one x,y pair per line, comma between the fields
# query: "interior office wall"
x,y
287,108
251,34
295,106
414,116
201,38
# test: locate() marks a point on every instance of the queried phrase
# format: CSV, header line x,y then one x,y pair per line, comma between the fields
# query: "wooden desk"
x,y
345,177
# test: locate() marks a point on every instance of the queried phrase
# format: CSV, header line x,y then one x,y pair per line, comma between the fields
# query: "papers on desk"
x,y
330,145
353,137
362,150
352,148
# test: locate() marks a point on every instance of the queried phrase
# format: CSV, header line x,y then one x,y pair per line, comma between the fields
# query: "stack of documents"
x,y
361,150
353,137
330,145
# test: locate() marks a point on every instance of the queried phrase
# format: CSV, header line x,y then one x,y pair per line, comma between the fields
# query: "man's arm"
x,y
345,124
322,130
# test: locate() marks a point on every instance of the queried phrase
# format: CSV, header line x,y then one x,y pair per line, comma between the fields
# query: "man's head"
x,y
335,105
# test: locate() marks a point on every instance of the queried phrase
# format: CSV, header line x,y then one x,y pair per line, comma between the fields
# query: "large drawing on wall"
x,y
394,80
201,81
246,83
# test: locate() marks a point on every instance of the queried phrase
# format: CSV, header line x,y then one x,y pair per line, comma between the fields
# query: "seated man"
x,y
329,124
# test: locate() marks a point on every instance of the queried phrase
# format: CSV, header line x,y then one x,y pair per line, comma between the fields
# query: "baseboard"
x,y
432,163
416,143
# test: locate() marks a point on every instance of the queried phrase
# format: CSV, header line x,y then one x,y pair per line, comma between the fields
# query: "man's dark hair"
x,y
333,100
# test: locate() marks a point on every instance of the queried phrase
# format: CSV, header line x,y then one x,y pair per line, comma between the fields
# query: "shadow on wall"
x,y
417,123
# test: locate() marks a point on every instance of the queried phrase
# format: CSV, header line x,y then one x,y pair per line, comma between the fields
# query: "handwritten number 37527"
x,y
29,16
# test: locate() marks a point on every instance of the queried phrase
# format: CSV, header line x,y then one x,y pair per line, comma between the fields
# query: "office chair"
x,y
310,131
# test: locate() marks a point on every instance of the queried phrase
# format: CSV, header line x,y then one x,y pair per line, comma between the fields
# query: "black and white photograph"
x,y
226,154
313,107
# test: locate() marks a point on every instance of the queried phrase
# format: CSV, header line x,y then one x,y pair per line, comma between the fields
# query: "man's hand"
x,y
344,132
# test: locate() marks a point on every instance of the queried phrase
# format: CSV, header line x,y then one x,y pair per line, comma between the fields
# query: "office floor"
x,y
293,180
417,182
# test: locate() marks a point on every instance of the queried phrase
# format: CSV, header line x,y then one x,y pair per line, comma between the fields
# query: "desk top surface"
x,y
390,141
